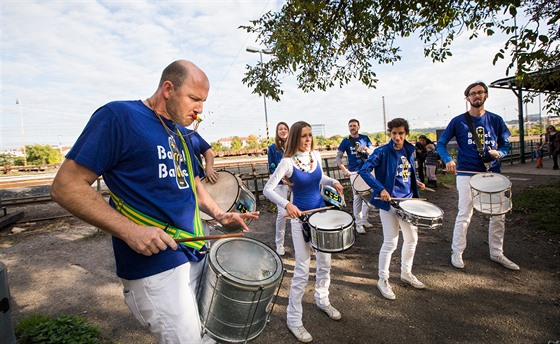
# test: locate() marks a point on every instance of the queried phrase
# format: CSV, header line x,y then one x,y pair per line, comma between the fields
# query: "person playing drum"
x,y
357,148
302,166
275,154
395,177
492,133
156,195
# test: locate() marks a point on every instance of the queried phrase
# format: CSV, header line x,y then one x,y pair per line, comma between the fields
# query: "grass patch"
x,y
39,328
540,206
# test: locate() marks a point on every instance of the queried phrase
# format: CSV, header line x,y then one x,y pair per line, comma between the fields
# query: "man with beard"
x,y
493,134
357,147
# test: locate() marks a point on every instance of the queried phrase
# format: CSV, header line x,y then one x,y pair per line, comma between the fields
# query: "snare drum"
x,y
420,213
491,193
360,186
238,289
230,194
331,230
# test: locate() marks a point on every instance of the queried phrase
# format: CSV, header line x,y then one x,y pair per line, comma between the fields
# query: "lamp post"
x,y
268,52
22,132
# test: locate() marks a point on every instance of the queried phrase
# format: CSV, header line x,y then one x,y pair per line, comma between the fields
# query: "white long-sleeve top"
x,y
285,169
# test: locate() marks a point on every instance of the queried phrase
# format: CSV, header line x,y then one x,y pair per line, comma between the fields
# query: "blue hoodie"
x,y
383,161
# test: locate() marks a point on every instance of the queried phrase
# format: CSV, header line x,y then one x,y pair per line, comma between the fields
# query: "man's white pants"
x,y
391,224
496,227
282,190
166,303
359,208
301,276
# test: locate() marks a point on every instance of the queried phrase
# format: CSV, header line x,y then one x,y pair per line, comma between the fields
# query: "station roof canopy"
x,y
545,81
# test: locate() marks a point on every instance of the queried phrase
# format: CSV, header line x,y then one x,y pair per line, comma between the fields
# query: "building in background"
x,y
318,130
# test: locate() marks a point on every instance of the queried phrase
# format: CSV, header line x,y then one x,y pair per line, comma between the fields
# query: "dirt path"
x,y
67,267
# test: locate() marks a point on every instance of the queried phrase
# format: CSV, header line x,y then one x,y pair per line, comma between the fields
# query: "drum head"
x,y
489,182
331,219
359,184
245,261
421,208
224,192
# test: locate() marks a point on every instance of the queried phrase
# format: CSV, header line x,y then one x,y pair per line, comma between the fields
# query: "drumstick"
x,y
211,237
429,189
460,171
403,199
313,210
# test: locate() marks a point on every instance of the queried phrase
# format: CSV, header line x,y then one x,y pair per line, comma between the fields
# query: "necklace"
x,y
167,129
303,166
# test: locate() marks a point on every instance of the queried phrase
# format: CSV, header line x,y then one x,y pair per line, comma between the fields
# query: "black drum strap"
x,y
479,146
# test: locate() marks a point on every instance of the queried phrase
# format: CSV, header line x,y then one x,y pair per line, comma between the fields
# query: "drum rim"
x,y
218,270
355,189
430,204
481,175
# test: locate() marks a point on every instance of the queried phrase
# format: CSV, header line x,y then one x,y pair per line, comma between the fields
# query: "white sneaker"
x,y
332,312
457,260
360,230
505,262
367,225
385,289
280,250
409,278
300,333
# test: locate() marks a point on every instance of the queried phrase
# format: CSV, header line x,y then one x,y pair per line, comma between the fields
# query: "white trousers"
x,y
496,227
301,276
166,303
391,224
282,190
359,209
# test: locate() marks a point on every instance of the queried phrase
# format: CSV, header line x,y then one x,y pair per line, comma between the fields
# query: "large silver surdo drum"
x,y
238,289
331,230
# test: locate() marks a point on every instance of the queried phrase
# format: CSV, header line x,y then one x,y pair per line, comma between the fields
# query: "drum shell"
x,y
332,240
232,311
417,217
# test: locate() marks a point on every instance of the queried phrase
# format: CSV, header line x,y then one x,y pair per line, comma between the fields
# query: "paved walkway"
x,y
529,167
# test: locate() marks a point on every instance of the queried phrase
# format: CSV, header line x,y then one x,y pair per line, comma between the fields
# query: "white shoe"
x,y
332,312
505,262
409,278
385,289
457,260
300,333
280,250
360,230
367,225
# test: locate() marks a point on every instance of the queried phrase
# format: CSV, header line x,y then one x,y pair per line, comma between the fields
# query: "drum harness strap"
x,y
477,140
176,233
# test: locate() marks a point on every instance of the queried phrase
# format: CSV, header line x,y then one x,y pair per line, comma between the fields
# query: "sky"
x,y
63,59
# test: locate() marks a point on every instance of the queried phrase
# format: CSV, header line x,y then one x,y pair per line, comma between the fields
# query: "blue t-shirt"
x,y
200,146
349,146
274,157
127,144
402,188
489,126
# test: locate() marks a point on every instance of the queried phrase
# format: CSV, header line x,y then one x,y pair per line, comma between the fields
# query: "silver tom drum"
x,y
331,230
230,194
238,289
421,214
491,193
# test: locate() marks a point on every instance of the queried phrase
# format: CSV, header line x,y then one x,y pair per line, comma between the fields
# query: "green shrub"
x,y
62,330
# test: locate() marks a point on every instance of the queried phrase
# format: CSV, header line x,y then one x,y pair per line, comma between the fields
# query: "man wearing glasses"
x,y
472,157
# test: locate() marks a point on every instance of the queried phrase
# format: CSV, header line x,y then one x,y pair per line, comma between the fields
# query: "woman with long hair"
x,y
301,165
275,154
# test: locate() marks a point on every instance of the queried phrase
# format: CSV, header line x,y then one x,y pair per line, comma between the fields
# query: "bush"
x,y
64,329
